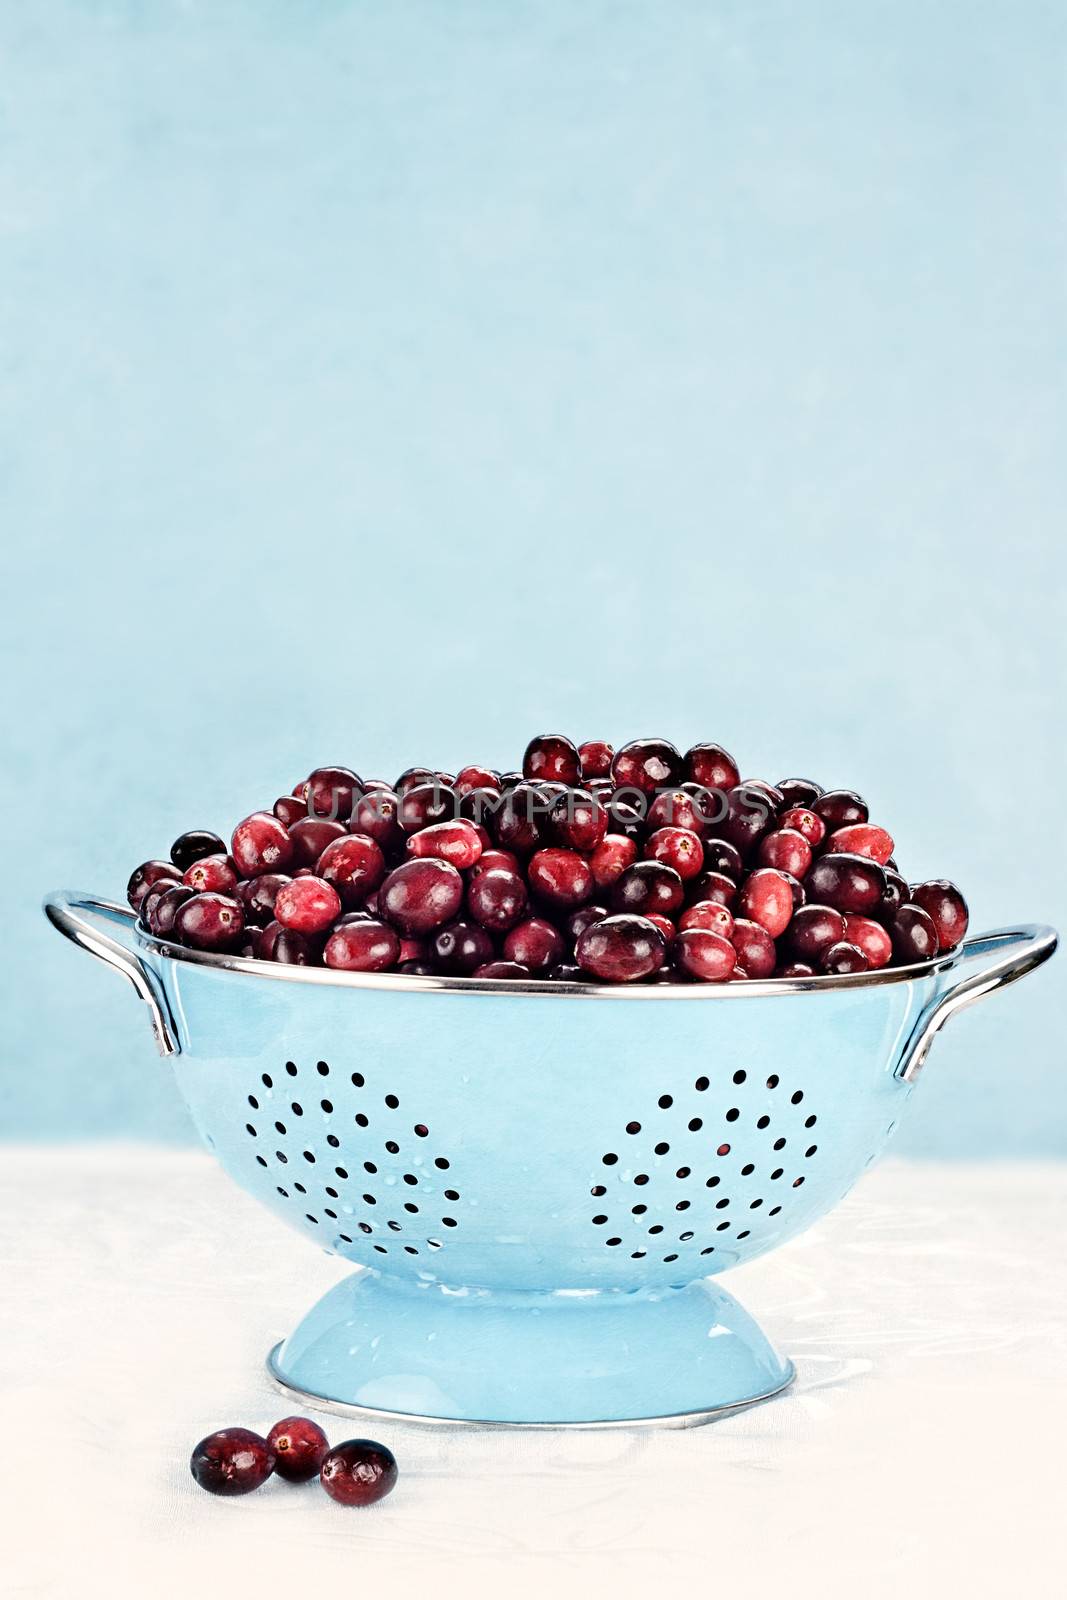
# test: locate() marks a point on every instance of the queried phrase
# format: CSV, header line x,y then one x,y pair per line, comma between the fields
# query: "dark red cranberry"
x,y
261,843
711,766
560,877
493,860
427,803
787,849
795,969
914,935
895,895
259,894
946,908
191,846
332,792
806,823
160,907
621,949
215,873
679,848
647,765
355,866
610,859
871,938
721,856
310,837
648,886
595,759
420,895
294,949
307,905
410,949
577,820
754,947
839,808
148,873
626,813
798,791
583,918
460,948
418,969
413,778
376,815
677,808
796,889
713,886
457,841
210,922
232,1461
565,972
861,839
369,946
749,815
708,914
155,893
471,778
554,757
766,898
358,1472
846,882
480,806
773,796
502,969
534,944
497,899
517,824
704,955
299,1447
844,958
813,930
289,808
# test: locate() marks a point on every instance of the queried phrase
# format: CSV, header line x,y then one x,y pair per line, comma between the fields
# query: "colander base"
x,y
381,1347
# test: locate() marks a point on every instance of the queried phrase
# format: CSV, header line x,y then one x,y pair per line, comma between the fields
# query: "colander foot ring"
x,y
386,1349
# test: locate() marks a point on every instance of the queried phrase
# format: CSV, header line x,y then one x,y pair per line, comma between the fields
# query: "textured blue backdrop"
x,y
383,383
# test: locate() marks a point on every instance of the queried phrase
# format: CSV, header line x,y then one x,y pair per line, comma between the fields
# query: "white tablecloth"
x,y
920,1452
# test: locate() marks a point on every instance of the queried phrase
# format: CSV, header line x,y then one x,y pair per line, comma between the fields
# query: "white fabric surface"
x,y
920,1452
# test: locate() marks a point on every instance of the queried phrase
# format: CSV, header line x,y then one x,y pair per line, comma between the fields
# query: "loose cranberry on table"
x,y
621,949
647,765
307,905
704,955
191,846
299,1447
365,946
232,1461
679,848
420,895
946,908
554,757
497,898
354,865
358,1472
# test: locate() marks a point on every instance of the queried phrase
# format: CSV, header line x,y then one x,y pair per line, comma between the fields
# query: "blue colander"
x,y
539,1182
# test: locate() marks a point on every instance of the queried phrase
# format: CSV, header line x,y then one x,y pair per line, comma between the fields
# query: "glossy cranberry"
x,y
713,886
721,856
561,878
210,922
261,843
461,948
766,898
871,938
299,1447
796,889
847,882
358,1472
749,815
861,839
844,958
192,846
307,905
665,925
355,866
418,969
679,848
332,792
627,810
554,757
610,859
795,969
946,908
259,894
369,946
786,849
427,803
595,758
161,905
493,860
895,895
497,899
410,949
708,914
310,837
648,886
676,808
704,955
839,808
534,944
798,792
289,808
712,766
377,815
275,943
214,873
502,969
566,972
621,949
914,935
480,806
577,820
806,823
518,823
148,873
773,796
420,895
413,778
646,765
456,841
232,1461
813,930
576,924
754,947
469,778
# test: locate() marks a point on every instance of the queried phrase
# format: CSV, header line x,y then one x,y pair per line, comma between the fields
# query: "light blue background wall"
x,y
388,382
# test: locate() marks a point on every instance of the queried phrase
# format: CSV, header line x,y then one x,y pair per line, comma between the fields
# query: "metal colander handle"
x,y
84,919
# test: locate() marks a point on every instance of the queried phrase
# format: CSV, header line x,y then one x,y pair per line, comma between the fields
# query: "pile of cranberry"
x,y
236,1461
591,864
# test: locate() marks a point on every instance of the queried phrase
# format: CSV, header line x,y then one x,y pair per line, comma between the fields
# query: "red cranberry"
x,y
871,938
534,944
766,898
710,915
804,822
455,841
358,1472
704,955
895,894
261,843
795,969
787,850
497,899
148,873
847,882
214,873
508,780
648,886
427,803
420,895
647,765
494,860
773,796
310,837
469,778
713,886
577,820
861,839
552,756
376,815
749,815
813,930
712,766
362,947
621,949
798,791
560,877
502,969
914,935
232,1461
516,824
480,806
721,856
754,947
461,948
160,908
413,778
289,808
583,918
259,894
193,846
299,1447
839,808
946,908
844,958
664,924
210,922
332,792
354,865
676,808
796,889
595,758
410,949
626,814
678,848
307,905
612,856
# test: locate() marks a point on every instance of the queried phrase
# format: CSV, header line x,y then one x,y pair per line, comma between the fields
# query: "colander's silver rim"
x,y
410,983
